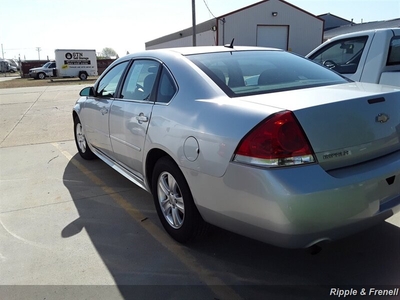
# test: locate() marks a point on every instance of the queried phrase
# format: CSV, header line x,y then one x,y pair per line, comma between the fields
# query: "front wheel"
x,y
174,202
41,76
80,140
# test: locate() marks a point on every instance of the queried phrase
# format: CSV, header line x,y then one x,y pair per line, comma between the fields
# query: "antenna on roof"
x,y
231,44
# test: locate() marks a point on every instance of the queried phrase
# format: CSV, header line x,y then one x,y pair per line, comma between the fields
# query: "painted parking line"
x,y
218,287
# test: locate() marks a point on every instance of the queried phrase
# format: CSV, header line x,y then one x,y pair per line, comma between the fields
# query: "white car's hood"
x,y
37,69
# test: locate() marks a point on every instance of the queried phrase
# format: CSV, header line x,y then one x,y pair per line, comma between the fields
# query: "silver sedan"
x,y
258,141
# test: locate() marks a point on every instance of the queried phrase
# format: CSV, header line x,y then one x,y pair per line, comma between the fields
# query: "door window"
x,y
166,88
109,83
140,80
343,56
394,52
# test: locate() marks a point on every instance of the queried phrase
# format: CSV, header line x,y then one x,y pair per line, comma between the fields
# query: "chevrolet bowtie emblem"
x,y
382,118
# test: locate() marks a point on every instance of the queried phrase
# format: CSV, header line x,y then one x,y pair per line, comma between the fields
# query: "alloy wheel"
x,y
171,200
80,138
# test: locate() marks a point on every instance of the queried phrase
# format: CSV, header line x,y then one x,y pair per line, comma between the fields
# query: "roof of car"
x,y
211,49
198,50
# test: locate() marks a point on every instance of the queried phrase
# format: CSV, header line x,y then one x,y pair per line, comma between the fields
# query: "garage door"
x,y
273,36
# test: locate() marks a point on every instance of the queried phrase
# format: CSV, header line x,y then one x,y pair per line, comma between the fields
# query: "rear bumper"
x,y
292,239
299,206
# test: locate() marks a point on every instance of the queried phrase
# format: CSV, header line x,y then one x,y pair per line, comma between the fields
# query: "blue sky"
x,y
125,25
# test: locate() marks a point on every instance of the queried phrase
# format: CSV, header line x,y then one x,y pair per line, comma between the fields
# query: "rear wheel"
x,y
80,140
83,76
174,202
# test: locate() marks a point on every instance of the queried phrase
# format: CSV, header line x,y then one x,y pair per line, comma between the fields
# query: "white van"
x,y
76,63
68,63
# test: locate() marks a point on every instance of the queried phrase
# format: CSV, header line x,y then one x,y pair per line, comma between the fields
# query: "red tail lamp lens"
x,y
278,137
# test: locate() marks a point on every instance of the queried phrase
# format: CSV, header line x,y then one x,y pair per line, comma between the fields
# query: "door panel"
x,y
95,119
128,132
96,111
130,114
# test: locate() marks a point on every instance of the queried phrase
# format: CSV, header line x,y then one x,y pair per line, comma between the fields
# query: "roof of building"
x,y
210,24
333,21
360,27
263,1
202,27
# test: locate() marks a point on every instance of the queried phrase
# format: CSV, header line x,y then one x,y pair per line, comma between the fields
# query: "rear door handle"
x,y
142,118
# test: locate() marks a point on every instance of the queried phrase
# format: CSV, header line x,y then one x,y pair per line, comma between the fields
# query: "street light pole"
x,y
194,21
38,49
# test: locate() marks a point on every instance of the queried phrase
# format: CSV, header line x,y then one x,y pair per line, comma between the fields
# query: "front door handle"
x,y
142,118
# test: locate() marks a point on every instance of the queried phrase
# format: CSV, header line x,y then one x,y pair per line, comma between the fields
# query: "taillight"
x,y
277,141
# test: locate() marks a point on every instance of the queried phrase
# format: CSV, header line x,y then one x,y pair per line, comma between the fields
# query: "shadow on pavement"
x,y
142,267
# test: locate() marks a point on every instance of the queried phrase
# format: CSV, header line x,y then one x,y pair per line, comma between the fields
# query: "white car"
x,y
44,71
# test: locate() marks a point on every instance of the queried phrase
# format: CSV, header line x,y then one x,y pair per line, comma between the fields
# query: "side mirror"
x,y
87,92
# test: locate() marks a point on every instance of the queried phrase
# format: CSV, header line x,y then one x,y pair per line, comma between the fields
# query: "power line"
x,y
209,10
16,49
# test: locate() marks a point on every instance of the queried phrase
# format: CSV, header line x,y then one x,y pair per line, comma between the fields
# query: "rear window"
x,y
241,73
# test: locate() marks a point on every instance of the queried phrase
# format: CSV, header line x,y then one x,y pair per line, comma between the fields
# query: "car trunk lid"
x,y
345,124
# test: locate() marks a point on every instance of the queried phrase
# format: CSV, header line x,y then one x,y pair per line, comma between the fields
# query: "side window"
x,y
108,84
166,88
394,52
140,80
342,56
53,65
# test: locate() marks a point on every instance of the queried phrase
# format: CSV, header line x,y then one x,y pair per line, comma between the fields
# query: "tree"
x,y
109,52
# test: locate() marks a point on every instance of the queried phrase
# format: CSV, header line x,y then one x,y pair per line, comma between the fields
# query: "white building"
x,y
268,23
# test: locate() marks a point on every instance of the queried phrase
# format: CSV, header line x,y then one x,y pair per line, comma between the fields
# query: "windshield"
x,y
47,65
241,73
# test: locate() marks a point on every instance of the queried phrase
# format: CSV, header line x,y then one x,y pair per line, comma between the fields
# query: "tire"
x,y
80,141
83,76
174,202
41,76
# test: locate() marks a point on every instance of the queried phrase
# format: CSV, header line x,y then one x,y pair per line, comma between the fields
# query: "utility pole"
x,y
38,49
2,51
194,21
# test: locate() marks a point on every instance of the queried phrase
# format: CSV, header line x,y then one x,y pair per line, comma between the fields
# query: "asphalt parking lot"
x,y
75,229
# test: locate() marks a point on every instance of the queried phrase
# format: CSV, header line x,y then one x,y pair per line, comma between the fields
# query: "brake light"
x,y
277,141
